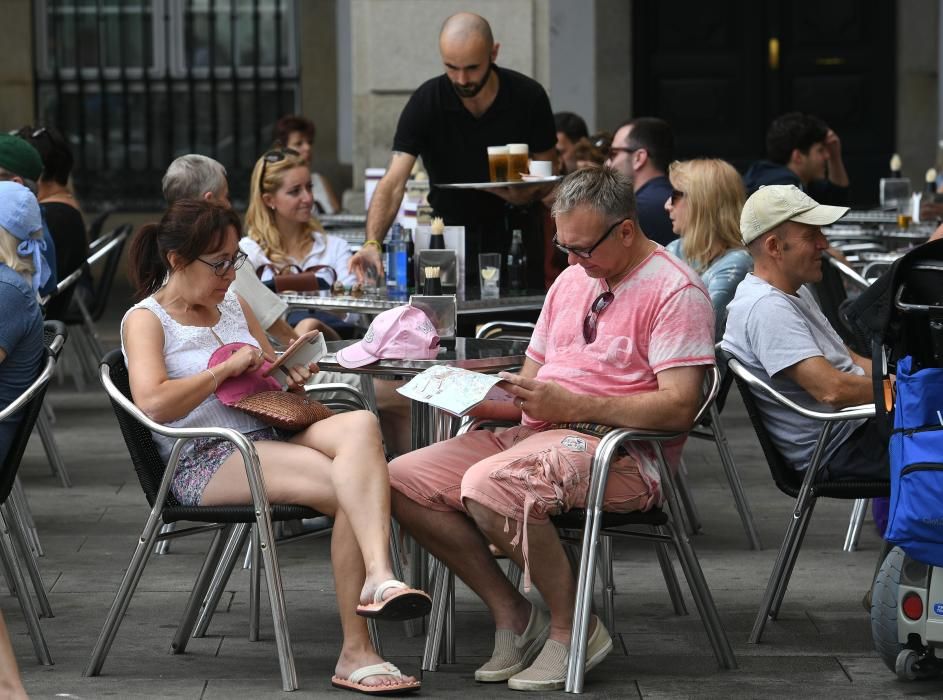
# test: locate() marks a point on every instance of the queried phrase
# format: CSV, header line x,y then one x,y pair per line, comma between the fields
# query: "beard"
x,y
469,91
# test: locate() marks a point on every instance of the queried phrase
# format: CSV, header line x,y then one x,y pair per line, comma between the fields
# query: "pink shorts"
x,y
520,473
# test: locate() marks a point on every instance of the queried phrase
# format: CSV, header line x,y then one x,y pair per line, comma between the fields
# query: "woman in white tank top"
x,y
182,269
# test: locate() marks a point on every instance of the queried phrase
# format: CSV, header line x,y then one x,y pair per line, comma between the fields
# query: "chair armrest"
x,y
355,395
845,414
103,250
246,448
470,423
31,390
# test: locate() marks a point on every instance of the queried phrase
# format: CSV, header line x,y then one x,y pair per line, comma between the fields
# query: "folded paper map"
x,y
454,389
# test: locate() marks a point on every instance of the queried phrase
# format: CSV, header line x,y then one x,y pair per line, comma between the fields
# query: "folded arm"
x,y
829,385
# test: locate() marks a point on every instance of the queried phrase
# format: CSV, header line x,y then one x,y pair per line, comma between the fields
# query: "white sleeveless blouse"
x,y
187,351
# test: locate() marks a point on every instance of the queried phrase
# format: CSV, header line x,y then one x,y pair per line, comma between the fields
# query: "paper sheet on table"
x,y
454,389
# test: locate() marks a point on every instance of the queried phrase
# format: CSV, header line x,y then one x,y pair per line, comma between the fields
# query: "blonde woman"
x,y
22,271
282,236
704,207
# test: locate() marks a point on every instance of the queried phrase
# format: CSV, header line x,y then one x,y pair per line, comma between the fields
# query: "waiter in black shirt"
x,y
450,121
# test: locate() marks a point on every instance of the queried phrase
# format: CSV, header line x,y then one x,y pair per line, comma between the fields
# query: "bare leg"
x,y
549,567
310,324
453,538
394,415
357,650
297,473
361,485
10,684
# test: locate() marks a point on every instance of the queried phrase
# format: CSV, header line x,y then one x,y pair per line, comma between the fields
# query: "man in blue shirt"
x,y
641,150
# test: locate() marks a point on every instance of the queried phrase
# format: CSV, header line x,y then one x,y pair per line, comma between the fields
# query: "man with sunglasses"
x,y
623,339
641,150
450,121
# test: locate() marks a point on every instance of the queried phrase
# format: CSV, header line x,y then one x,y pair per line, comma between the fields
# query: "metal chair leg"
x,y
20,505
778,578
690,517
733,479
607,580
671,578
439,580
200,588
32,568
163,546
23,596
129,583
227,562
52,450
858,513
254,582
791,561
704,601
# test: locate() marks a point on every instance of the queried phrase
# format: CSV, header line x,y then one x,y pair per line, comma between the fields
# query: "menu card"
x,y
453,389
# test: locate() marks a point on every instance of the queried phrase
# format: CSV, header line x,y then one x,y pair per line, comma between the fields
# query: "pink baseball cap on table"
x,y
403,333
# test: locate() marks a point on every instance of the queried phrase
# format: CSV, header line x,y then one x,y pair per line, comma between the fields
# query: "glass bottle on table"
x,y
517,262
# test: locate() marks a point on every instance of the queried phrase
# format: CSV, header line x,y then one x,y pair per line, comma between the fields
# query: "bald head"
x,y
464,26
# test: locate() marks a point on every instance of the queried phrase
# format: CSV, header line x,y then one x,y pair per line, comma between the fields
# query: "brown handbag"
x,y
284,409
291,278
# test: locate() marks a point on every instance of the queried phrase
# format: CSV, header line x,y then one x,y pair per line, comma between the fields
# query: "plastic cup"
x,y
489,272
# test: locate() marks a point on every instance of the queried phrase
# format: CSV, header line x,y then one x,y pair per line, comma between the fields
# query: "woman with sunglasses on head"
x,y
182,269
282,236
704,208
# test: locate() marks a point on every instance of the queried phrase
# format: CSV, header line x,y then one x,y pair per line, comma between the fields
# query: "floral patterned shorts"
x,y
203,457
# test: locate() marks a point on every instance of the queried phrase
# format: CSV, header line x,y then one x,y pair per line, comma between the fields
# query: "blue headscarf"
x,y
20,216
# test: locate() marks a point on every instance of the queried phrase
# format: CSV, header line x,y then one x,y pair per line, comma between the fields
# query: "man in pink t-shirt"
x,y
623,339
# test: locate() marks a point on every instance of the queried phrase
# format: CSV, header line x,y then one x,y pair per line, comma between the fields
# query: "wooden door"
x,y
721,71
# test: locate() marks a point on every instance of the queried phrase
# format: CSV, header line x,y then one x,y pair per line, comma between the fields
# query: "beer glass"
x,y
498,163
517,161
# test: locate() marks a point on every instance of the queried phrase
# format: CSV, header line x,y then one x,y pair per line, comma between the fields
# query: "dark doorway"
x,y
719,72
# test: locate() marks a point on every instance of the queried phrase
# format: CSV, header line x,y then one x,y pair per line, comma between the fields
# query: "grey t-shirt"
x,y
769,331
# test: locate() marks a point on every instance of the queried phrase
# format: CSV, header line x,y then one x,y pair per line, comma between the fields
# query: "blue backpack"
x,y
915,521
901,317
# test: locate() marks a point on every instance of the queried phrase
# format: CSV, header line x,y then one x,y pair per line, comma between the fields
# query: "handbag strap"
x,y
328,268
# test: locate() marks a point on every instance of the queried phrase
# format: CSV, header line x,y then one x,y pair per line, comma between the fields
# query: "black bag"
x,y
901,314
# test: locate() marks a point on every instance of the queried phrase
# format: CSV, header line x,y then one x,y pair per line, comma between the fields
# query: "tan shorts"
x,y
519,469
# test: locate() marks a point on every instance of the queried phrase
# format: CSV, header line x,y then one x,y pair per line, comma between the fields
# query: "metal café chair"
x,y
82,318
14,544
806,487
597,526
155,478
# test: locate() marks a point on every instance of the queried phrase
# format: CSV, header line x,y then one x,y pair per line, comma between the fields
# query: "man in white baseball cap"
x,y
777,330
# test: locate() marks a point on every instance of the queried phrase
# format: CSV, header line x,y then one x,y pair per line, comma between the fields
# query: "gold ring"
x,y
261,353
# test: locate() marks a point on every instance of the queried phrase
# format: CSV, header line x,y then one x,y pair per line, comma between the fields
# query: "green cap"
x,y
19,157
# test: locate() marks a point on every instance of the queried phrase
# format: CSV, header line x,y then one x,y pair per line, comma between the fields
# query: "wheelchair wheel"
x,y
884,609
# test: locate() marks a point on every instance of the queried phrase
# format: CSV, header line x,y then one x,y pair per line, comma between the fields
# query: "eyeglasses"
x,y
276,155
223,266
598,306
675,196
622,149
586,253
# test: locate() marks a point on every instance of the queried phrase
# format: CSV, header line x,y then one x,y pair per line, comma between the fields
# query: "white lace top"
x,y
187,351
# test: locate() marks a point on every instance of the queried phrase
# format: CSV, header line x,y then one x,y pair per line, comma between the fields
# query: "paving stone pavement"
x,y
820,646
